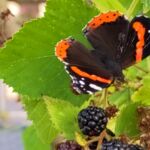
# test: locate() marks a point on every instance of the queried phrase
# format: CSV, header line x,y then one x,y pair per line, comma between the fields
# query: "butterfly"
x,y
117,44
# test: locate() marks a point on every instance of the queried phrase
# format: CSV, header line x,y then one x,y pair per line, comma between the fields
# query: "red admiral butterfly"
x,y
117,44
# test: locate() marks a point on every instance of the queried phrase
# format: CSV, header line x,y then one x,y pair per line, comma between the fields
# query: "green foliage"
x,y
120,98
38,113
52,116
32,142
129,8
137,71
146,4
127,122
28,63
64,116
143,93
108,5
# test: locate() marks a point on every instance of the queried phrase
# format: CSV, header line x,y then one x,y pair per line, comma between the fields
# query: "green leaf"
x,y
134,9
109,5
137,70
31,140
127,121
143,94
116,4
63,116
146,5
102,5
130,8
120,98
38,113
27,62
126,3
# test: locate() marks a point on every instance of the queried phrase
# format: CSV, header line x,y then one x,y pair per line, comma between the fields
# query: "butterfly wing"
x,y
137,45
88,73
107,32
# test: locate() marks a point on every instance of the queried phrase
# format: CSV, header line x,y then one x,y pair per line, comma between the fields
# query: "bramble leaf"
x,y
28,63
143,93
127,122
120,98
38,113
64,116
146,4
31,140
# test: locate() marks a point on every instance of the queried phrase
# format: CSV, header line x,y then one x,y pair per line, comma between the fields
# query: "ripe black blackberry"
x,y
69,145
92,120
93,145
135,147
119,145
114,145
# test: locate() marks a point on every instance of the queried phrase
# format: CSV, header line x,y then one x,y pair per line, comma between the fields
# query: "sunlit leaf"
x,y
31,140
38,113
127,122
28,63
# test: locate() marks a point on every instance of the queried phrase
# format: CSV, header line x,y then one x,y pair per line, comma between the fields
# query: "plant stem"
x,y
132,8
100,141
103,99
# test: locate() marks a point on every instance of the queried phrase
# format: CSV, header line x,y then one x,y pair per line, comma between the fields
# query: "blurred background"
x,y
13,119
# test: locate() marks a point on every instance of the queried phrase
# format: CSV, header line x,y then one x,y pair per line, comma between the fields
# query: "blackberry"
x,y
92,121
114,145
119,145
135,147
69,145
93,145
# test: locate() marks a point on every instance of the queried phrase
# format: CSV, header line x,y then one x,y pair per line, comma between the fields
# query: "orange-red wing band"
x,y
139,28
92,77
61,49
103,18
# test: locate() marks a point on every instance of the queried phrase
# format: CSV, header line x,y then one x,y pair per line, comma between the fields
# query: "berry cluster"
x,y
119,145
92,122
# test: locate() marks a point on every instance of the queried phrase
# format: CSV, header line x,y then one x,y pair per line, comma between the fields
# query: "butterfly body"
x,y
117,44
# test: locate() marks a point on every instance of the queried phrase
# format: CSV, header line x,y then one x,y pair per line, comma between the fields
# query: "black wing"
x,y
137,45
88,73
107,33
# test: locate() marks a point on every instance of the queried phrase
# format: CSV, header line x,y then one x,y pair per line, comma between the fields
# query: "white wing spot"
x,y
67,71
81,86
89,92
81,82
75,81
95,87
148,31
72,77
77,90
